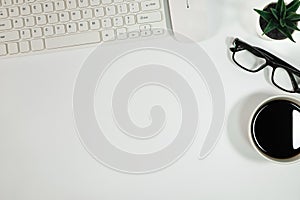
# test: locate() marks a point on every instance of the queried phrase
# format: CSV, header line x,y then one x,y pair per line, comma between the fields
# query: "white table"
x,y
42,158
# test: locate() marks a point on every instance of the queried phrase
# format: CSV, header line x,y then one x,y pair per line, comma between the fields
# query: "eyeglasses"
x,y
253,59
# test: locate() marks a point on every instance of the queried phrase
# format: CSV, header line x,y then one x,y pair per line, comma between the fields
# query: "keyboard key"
x,y
64,16
99,12
25,34
158,31
12,48
149,17
41,20
52,18
129,20
83,3
29,1
48,30
118,21
5,25
110,10
3,50
18,23
134,7
13,12
72,40
122,33
145,27
150,5
106,1
59,5
48,7
37,45
17,2
108,35
71,4
6,2
95,2
87,14
3,13
24,46
36,8
134,34
59,29
71,28
95,24
122,8
25,9
146,33
75,15
9,36
36,32
106,23
29,21
83,26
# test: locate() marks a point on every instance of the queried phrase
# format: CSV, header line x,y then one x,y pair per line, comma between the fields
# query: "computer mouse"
x,y
193,19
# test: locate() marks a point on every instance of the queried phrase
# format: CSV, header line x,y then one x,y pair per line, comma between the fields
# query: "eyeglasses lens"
x,y
248,60
283,79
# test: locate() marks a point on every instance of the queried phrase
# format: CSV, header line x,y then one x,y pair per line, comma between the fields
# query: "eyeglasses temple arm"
x,y
279,62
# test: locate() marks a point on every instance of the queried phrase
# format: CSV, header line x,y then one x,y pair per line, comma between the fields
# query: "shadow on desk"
x,y
238,123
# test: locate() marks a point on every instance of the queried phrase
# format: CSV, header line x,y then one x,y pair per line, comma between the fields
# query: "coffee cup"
x,y
274,129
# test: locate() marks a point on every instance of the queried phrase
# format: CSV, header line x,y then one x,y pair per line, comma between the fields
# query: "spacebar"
x,y
72,40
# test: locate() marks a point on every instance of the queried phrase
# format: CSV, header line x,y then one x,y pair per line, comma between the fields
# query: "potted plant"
x,y
279,20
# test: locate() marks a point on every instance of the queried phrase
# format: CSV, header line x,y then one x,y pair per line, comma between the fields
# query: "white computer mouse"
x,y
193,19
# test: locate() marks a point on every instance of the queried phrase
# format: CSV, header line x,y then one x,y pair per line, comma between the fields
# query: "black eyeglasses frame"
x,y
271,60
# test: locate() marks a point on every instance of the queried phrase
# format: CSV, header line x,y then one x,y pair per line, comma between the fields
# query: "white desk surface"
x,y
41,156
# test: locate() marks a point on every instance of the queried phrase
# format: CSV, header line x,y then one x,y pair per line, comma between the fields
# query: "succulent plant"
x,y
282,18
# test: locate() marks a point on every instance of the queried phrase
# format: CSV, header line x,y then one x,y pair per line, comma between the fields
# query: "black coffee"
x,y
275,131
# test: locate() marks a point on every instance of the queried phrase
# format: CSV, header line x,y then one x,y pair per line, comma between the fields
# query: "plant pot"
x,y
261,24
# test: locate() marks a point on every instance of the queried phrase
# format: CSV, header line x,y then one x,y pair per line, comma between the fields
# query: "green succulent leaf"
x,y
293,17
292,26
293,6
270,27
278,5
275,13
282,10
286,32
282,22
264,14
296,19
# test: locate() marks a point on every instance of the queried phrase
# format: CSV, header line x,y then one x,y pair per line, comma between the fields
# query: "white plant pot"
x,y
260,31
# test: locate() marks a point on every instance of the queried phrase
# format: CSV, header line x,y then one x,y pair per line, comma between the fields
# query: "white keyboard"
x,y
28,26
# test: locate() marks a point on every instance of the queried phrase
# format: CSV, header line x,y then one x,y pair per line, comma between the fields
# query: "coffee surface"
x,y
275,129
